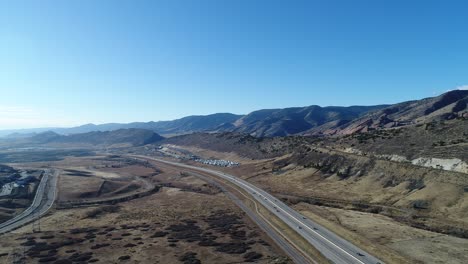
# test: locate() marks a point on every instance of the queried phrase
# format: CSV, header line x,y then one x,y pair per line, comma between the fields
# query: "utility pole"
x,y
36,228
18,256
37,222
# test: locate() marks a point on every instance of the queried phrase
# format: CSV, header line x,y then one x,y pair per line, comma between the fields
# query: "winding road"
x,y
330,245
43,201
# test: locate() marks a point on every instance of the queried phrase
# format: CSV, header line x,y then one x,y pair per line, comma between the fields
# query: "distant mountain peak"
x,y
307,120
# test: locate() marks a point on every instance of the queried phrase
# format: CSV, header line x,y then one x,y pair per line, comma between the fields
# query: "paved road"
x,y
295,255
333,247
146,189
43,201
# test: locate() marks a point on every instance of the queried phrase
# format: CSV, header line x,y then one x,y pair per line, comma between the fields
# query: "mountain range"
x,y
450,105
183,125
309,120
297,120
119,137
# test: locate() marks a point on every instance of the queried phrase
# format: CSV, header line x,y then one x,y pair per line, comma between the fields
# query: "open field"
x,y
392,210
98,178
22,156
310,187
160,228
190,223
419,245
288,239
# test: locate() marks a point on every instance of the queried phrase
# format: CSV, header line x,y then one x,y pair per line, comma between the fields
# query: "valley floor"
x,y
396,241
185,221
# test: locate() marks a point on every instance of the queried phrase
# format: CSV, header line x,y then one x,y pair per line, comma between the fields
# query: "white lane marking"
x,y
55,195
272,226
28,211
259,190
293,217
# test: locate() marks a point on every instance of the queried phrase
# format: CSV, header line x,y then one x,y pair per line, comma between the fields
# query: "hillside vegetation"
x,y
400,172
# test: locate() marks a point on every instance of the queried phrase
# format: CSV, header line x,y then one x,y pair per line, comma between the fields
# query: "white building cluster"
x,y
188,156
220,163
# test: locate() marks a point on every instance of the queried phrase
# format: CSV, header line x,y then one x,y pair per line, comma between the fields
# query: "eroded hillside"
x,y
413,176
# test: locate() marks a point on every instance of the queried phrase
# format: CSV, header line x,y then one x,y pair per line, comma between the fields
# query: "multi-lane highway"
x,y
43,201
330,245
293,252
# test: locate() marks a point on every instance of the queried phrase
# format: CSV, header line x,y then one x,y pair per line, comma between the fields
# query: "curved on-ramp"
x,y
43,201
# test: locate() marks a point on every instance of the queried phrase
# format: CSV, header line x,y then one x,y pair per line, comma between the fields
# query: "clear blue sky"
x,y
64,63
